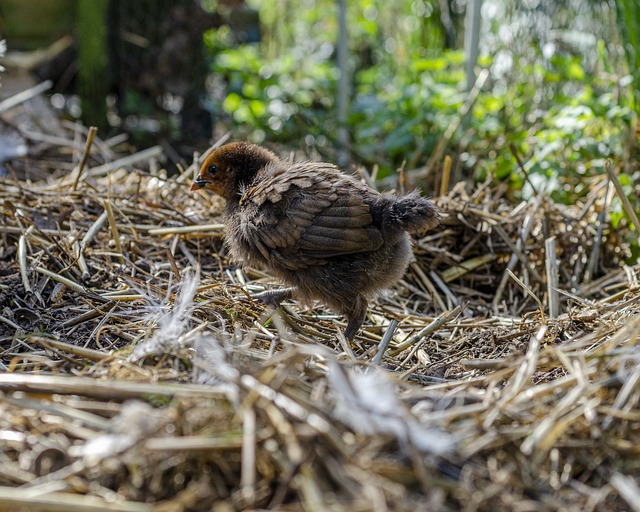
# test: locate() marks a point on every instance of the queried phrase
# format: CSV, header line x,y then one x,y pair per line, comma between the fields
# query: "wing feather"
x,y
307,213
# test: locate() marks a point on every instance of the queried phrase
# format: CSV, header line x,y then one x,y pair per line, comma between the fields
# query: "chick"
x,y
325,234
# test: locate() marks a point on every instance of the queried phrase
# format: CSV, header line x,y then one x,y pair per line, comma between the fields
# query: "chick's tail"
x,y
412,213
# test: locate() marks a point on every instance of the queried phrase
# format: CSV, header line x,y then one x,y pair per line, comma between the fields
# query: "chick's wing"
x,y
299,215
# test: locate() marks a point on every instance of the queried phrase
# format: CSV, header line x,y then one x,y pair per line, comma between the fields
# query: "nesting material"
x,y
138,374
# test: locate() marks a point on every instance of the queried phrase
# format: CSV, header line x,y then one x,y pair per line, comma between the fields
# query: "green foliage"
x,y
280,99
564,141
284,90
561,101
628,16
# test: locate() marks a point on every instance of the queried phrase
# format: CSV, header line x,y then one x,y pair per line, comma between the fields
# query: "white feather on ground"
x,y
367,401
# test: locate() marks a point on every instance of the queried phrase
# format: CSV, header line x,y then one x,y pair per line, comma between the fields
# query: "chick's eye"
x,y
213,169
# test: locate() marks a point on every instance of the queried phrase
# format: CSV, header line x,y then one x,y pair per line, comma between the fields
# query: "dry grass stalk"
x,y
85,154
121,390
551,265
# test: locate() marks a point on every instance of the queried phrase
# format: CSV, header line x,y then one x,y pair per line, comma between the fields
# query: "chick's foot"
x,y
273,297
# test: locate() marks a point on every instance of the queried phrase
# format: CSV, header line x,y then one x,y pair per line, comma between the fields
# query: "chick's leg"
x,y
274,297
355,317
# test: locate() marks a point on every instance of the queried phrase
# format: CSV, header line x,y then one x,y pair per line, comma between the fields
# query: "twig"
x,y
529,292
93,230
108,389
85,154
551,265
23,499
174,265
384,343
25,95
22,262
51,139
462,268
61,279
441,284
433,326
514,152
80,259
446,175
141,156
181,230
87,353
112,224
102,146
628,489
428,285
248,466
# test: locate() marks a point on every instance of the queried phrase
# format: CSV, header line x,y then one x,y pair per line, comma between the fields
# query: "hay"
x,y
139,375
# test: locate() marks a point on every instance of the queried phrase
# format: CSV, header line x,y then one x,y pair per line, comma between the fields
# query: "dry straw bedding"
x,y
138,374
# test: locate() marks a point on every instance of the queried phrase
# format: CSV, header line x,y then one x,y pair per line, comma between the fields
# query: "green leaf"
x,y
231,103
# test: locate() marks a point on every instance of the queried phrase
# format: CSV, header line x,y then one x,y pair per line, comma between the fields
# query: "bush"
x,y
557,91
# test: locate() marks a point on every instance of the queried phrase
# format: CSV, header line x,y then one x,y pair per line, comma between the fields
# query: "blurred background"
x,y
552,83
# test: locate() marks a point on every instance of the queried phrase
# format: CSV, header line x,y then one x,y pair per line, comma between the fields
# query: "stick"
x,y
107,389
173,263
551,265
514,152
446,175
23,499
433,326
26,95
22,261
112,224
175,230
529,292
248,457
93,230
418,339
85,154
384,343
143,155
61,279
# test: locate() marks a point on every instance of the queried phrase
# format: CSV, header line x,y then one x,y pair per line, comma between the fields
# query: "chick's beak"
x,y
198,183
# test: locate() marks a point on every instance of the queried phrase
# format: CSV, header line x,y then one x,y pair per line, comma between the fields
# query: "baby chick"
x,y
320,231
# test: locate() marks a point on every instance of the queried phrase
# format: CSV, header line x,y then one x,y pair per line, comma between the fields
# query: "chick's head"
x,y
231,167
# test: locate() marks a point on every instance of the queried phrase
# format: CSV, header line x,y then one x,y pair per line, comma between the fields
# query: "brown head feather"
x,y
228,168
